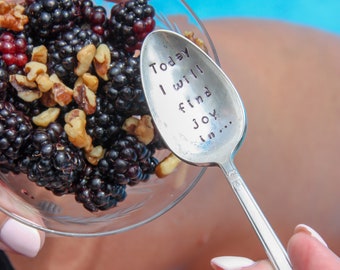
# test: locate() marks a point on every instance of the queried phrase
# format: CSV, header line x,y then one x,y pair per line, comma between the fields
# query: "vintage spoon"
x,y
200,115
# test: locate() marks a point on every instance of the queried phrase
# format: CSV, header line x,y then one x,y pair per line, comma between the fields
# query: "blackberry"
x,y
51,161
131,22
63,51
96,193
127,161
4,77
104,126
124,87
93,15
15,130
47,18
13,51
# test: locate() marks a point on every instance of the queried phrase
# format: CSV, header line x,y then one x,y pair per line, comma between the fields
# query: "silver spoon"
x,y
200,116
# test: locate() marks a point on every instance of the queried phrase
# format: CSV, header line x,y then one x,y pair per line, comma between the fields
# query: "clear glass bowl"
x,y
145,201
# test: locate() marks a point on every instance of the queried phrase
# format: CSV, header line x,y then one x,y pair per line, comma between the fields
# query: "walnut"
x,y
46,117
130,125
142,128
12,16
33,69
39,54
85,57
44,82
62,94
167,165
91,81
54,78
47,99
199,42
75,129
22,81
102,61
145,131
26,89
85,98
95,154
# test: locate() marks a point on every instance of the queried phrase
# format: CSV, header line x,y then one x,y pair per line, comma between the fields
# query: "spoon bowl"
x,y
201,122
201,117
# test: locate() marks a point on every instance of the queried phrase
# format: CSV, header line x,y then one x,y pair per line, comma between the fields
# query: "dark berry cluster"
x,y
124,87
51,161
126,162
49,17
45,153
130,22
15,130
4,77
105,123
94,15
64,48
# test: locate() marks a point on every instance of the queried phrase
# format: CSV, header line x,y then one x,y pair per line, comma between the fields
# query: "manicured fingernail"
x,y
21,238
230,263
306,229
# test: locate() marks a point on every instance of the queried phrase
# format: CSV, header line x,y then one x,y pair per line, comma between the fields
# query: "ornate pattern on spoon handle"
x,y
272,245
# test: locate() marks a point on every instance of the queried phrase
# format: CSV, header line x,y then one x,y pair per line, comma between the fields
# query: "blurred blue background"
x,y
324,15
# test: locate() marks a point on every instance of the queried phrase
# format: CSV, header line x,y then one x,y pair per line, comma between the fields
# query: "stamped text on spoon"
x,y
194,73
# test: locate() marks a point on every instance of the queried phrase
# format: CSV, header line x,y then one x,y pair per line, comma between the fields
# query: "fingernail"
x,y
21,238
306,229
230,263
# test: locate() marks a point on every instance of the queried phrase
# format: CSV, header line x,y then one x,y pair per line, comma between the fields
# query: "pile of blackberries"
x,y
44,153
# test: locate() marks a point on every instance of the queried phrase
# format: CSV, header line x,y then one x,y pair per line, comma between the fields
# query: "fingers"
x,y
307,250
15,236
20,238
237,263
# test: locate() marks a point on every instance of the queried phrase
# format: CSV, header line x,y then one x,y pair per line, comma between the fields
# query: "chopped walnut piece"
x,y
46,117
26,90
142,128
47,99
102,61
44,82
12,16
75,129
167,165
85,98
22,80
130,125
85,57
33,69
91,81
145,131
28,95
54,78
63,95
199,42
39,54
95,154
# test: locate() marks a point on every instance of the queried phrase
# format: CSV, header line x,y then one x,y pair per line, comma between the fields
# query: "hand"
x,y
306,250
14,235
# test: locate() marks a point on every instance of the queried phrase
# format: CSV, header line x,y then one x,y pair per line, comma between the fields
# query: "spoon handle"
x,y
272,245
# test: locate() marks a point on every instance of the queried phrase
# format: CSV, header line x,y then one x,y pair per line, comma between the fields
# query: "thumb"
x,y
15,235
307,250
